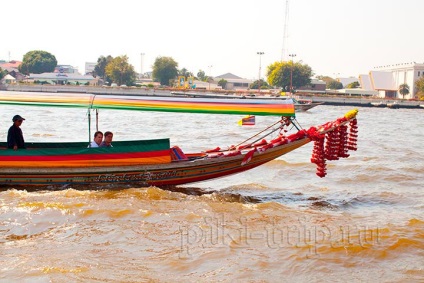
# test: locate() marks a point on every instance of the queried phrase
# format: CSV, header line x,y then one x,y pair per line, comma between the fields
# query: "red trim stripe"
x,y
99,156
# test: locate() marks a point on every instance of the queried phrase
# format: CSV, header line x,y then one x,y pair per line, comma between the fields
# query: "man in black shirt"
x,y
15,138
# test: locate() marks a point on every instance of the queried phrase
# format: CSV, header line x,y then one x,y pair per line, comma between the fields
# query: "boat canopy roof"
x,y
265,107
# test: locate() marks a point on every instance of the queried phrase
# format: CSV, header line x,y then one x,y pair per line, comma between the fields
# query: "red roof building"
x,y
11,66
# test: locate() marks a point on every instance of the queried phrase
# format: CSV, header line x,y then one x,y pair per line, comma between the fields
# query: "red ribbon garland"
x,y
353,135
318,156
338,143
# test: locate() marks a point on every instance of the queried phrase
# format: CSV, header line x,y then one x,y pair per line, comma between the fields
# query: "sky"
x,y
336,38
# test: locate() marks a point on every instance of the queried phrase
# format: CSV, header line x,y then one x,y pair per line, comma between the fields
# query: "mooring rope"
x,y
257,134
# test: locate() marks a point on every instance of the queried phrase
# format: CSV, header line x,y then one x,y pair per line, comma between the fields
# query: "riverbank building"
x,y
387,79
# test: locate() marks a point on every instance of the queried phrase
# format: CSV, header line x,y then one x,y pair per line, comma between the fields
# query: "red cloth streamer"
x,y
248,157
213,150
297,136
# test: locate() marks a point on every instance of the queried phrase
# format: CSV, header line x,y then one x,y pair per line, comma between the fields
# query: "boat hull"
x,y
305,106
169,174
393,105
378,104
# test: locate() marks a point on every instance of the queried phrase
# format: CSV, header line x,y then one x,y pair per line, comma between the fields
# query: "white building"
x,y
387,79
89,67
66,69
63,78
234,82
346,81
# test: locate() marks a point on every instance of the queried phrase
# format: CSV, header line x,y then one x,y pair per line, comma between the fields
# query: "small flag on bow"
x,y
247,121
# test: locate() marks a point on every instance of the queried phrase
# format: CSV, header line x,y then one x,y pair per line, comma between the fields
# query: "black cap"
x,y
17,118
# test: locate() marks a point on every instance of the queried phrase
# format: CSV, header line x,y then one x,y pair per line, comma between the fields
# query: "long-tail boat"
x,y
157,162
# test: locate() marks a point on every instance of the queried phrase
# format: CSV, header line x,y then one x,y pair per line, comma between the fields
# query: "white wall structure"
x,y
234,82
89,67
346,81
365,82
63,78
387,79
66,69
358,92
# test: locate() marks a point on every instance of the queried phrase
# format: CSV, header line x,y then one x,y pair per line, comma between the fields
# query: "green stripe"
x,y
35,149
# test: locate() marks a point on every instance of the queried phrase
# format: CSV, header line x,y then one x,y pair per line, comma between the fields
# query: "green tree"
x,y
419,84
100,68
331,83
185,73
2,73
164,70
334,85
37,62
353,85
222,83
120,71
325,79
201,75
279,74
255,84
404,90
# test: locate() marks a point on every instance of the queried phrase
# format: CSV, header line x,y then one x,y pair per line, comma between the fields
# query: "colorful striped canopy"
x,y
263,107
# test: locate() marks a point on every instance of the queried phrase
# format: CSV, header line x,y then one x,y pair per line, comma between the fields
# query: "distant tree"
x,y
120,71
334,85
182,72
2,73
164,70
201,75
353,85
100,68
279,74
208,79
185,73
419,84
331,83
325,79
222,83
37,62
404,90
255,84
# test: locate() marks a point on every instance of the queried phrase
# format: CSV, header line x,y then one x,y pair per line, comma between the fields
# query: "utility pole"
x,y
210,76
291,73
259,78
285,33
141,65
